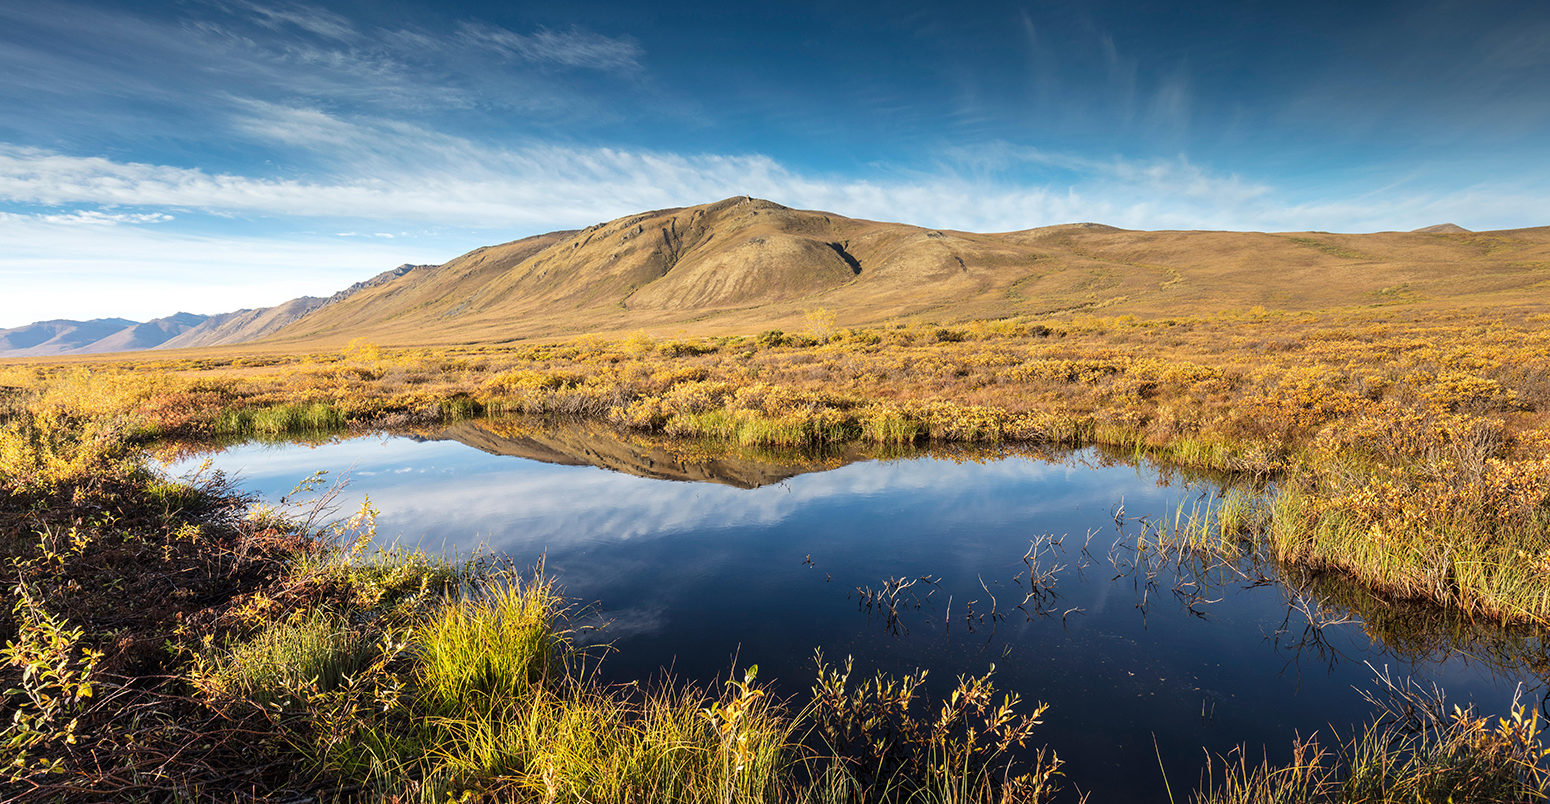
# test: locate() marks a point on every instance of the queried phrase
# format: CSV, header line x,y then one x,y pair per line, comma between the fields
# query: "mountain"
x,y
180,331
144,336
243,325
744,264
60,337
380,279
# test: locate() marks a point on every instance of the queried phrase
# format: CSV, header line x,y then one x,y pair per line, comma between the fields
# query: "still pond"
x,y
699,559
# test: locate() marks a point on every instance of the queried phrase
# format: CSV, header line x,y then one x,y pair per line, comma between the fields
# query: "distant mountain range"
x,y
178,331
745,265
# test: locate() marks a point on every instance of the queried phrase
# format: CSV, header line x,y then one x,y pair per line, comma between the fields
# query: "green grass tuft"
x,y
285,661
490,647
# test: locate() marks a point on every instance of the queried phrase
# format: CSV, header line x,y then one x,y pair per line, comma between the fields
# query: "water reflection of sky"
x,y
695,576
444,494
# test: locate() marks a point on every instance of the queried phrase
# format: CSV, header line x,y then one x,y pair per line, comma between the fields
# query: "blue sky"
x,y
207,155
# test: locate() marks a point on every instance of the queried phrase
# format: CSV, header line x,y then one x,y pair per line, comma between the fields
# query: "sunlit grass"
x,y
490,647
315,651
1424,752
1403,435
279,419
391,674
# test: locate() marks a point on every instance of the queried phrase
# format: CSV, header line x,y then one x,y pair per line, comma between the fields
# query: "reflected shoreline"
x,y
576,441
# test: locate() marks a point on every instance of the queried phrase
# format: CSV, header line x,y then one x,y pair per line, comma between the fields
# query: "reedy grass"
x,y
886,426
754,429
280,664
584,745
489,648
1219,528
1417,751
484,694
280,419
1500,576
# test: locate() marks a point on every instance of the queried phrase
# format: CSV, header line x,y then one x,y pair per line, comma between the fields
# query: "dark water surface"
x,y
696,574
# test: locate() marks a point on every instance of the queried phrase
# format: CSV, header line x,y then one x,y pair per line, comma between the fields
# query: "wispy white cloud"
x,y
85,217
97,236
572,48
191,66
316,21
390,171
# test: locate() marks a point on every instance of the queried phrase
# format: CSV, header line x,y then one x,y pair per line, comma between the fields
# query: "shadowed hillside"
x,y
744,264
147,335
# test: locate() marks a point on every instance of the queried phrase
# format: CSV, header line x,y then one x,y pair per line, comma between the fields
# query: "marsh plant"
x,y
892,741
1418,749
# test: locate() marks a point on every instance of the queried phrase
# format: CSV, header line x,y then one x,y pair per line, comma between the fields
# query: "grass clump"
x,y
481,694
280,419
489,648
499,705
1418,750
576,742
313,652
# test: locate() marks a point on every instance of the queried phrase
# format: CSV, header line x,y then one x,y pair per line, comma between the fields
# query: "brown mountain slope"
x,y
422,296
243,325
743,264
